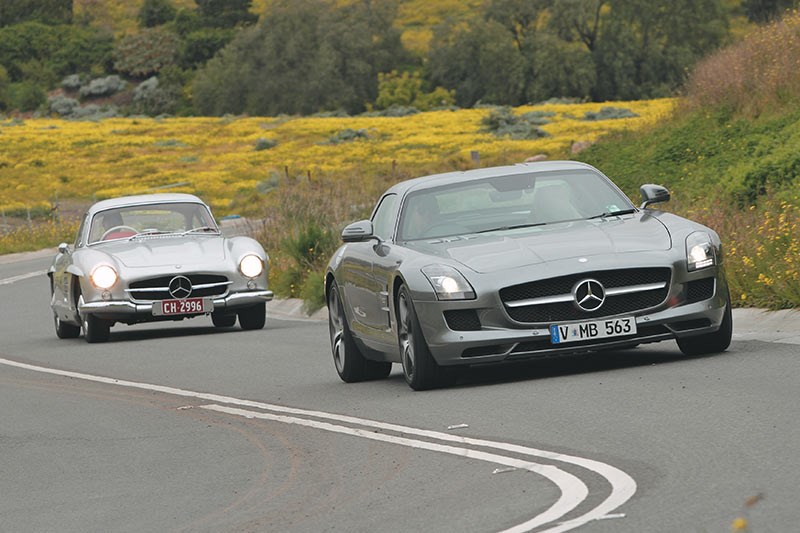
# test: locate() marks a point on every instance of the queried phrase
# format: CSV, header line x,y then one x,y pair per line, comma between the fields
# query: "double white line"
x,y
573,490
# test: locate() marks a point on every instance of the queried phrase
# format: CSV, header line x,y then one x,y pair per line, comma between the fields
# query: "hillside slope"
x,y
416,18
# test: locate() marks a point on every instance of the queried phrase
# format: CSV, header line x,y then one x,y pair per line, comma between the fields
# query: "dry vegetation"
x,y
759,74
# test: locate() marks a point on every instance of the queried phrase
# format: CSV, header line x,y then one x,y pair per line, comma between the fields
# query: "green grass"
x,y
739,176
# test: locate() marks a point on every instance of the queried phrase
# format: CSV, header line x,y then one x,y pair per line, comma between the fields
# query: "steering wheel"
x,y
124,231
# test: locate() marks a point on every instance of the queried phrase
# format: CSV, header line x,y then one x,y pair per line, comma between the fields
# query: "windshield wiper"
x,y
145,233
613,213
202,229
515,226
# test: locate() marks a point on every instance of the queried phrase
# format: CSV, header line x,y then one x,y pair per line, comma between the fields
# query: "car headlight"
x,y
251,266
448,283
103,277
699,251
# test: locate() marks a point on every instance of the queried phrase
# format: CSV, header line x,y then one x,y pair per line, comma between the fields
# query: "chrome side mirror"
x,y
63,248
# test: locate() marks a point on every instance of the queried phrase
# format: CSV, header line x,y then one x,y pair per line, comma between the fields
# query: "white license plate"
x,y
187,306
597,329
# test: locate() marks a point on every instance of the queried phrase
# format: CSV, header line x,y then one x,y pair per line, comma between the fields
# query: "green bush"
x,y
63,50
406,91
5,97
348,135
146,53
265,144
27,96
301,273
201,45
609,113
62,105
312,291
72,82
151,99
502,122
105,86
155,13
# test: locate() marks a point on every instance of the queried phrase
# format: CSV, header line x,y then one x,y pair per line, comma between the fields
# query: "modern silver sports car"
x,y
515,262
155,257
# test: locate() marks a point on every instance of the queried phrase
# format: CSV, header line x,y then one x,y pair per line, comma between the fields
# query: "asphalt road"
x,y
182,427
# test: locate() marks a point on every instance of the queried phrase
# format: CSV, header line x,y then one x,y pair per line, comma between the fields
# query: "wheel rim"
x,y
336,327
406,336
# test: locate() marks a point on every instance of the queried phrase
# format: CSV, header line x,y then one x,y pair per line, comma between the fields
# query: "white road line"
x,y
14,279
622,485
573,490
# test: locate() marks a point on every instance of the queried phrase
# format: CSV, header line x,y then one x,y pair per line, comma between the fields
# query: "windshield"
x,y
151,219
502,203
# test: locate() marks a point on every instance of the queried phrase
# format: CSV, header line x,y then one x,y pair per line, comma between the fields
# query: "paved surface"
x,y
749,324
187,427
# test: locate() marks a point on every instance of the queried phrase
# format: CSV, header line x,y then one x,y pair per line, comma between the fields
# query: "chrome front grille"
x,y
552,300
203,285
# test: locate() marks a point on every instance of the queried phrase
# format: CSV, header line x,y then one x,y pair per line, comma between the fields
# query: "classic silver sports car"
x,y
515,262
155,257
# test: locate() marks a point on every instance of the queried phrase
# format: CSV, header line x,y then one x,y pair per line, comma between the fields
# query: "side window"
x,y
384,217
79,240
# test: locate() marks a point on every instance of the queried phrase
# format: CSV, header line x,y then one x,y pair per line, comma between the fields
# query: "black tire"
x,y
350,363
253,317
96,329
223,321
64,330
419,367
710,342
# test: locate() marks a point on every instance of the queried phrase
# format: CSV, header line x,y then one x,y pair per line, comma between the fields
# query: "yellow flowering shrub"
x,y
217,158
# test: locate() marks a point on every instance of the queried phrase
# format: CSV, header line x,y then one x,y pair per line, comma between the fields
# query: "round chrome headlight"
x,y
103,277
251,266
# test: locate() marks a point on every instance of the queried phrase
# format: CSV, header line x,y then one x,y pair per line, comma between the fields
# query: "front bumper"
x,y
500,339
125,308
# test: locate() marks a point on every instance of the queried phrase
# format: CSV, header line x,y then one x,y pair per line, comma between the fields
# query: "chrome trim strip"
x,y
616,291
201,286
236,299
239,298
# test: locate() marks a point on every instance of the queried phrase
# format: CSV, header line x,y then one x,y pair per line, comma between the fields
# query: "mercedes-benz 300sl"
x,y
155,257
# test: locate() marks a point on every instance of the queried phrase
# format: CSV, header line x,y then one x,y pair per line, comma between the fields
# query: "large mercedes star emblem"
x,y
589,294
180,287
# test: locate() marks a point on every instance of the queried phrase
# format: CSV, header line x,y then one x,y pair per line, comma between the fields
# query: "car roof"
x,y
143,199
447,178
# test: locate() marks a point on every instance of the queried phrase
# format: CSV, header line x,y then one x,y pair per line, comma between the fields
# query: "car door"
x,y
365,286
61,299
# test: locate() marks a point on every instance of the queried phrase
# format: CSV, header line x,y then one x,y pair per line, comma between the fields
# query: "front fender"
x,y
76,271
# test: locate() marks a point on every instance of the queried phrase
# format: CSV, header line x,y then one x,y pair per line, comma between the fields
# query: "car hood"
x,y
197,251
518,248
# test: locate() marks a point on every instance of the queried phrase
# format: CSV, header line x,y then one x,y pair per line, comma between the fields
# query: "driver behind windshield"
x,y
109,225
421,215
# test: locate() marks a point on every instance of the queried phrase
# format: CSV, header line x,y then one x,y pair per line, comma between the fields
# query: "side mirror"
x,y
63,248
358,231
653,194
